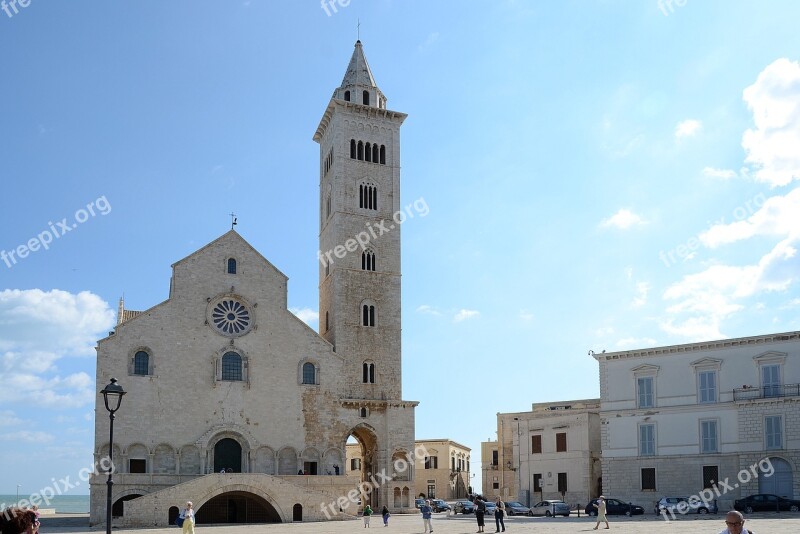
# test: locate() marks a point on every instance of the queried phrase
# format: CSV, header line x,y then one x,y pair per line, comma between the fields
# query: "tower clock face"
x,y
230,316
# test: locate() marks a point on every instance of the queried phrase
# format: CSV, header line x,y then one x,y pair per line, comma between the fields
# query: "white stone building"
x,y
222,376
679,419
550,452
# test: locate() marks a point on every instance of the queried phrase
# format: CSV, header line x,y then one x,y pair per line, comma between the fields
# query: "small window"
x,y
710,476
368,152
562,483
383,154
771,380
363,412
645,392
352,149
231,266
368,260
561,442
137,466
368,315
648,479
232,366
707,385
347,96
647,440
141,363
537,482
494,458
773,432
431,462
327,322
366,98
536,444
360,150
708,436
309,373
495,485
355,464
368,373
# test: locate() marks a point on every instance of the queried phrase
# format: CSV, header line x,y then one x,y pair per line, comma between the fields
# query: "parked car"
x,y
550,508
614,507
693,505
418,502
463,507
490,507
764,502
439,505
517,508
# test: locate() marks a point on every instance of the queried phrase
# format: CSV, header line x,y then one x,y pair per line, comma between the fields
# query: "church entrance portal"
x,y
366,464
228,456
237,507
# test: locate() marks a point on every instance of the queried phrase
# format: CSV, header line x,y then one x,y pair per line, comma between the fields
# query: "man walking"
x,y
426,510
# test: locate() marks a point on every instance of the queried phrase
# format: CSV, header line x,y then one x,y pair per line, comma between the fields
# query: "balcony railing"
x,y
766,392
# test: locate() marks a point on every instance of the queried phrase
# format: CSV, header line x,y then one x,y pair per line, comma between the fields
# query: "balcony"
x,y
766,392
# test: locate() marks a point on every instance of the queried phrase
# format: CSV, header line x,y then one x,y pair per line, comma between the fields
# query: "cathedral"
x,y
234,403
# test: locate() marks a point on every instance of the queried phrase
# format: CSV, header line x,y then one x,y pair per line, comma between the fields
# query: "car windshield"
x,y
517,504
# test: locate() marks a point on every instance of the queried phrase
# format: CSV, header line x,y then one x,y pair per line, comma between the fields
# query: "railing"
x,y
766,392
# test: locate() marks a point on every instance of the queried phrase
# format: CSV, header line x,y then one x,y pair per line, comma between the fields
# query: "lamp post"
x,y
112,396
18,487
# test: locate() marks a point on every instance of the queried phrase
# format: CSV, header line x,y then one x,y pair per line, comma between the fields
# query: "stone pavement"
x,y
762,523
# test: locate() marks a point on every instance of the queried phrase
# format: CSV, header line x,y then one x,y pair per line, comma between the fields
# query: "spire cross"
x,y
358,29
233,220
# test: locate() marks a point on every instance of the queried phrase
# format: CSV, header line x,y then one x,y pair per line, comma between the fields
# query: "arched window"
x,y
368,373
383,154
375,153
363,412
352,149
368,196
141,363
232,366
231,266
368,315
366,98
347,95
360,150
368,260
309,373
368,152
328,205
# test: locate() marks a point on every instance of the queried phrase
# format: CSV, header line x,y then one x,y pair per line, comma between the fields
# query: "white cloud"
x,y
463,315
604,331
772,146
28,436
526,315
642,289
307,315
775,216
8,418
687,128
37,329
642,342
430,310
722,174
623,219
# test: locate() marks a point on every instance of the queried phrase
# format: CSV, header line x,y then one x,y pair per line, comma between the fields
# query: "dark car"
x,y
614,507
463,507
418,502
439,505
764,502
517,508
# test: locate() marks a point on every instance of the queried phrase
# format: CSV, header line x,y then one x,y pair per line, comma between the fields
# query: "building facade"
x,y
232,401
550,452
441,467
718,417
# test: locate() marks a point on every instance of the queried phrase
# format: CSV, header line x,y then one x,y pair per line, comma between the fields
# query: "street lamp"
x,y
112,396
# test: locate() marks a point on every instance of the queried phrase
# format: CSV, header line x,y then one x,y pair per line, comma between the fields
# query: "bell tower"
x,y
359,256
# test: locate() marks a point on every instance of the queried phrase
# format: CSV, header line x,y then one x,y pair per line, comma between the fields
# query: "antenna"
x,y
233,220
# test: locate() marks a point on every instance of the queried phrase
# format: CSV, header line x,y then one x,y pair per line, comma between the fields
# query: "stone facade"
x,y
221,376
550,452
715,417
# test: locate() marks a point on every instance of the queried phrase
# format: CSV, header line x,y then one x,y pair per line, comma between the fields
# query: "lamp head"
x,y
112,395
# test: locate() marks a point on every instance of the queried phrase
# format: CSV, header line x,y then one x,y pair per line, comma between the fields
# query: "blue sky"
x,y
600,175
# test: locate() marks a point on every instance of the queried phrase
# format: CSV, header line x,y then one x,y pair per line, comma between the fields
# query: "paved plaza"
x,y
784,523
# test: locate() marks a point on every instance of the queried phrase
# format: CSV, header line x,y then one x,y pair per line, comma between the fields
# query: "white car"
x,y
550,508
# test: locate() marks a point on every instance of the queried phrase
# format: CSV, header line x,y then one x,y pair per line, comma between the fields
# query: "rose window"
x,y
231,317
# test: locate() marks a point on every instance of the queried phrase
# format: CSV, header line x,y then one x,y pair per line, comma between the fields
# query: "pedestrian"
x,y
734,522
367,515
188,518
426,510
499,512
601,512
385,514
480,511
336,469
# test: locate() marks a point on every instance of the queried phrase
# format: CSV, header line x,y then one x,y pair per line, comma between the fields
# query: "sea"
x,y
64,504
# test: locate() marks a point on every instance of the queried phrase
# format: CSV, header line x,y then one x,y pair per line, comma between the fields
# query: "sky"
x,y
599,175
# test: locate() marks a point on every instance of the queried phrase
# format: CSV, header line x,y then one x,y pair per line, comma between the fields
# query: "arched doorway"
x,y
118,508
297,512
781,480
237,507
362,448
173,514
228,456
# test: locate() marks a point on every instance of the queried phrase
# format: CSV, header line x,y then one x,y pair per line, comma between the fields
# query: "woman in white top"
x,y
188,519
